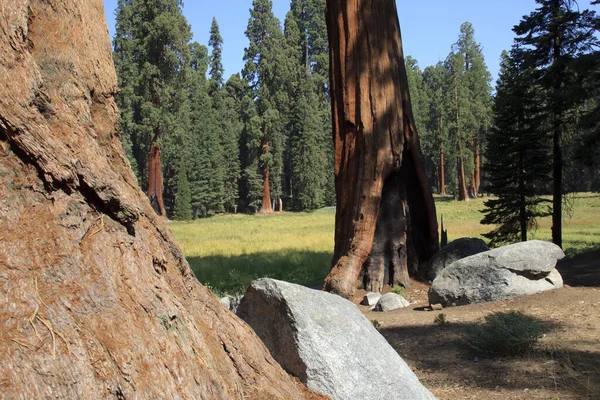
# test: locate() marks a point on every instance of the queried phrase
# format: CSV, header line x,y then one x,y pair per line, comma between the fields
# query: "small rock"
x,y
231,302
371,299
391,301
437,307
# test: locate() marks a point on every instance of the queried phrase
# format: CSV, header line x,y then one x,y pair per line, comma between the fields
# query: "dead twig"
x,y
101,219
32,320
22,343
49,326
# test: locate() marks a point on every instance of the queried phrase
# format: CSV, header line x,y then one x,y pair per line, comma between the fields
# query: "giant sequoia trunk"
x,y
266,205
97,300
155,181
385,219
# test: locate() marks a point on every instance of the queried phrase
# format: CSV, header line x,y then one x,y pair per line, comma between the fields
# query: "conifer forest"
x,y
260,141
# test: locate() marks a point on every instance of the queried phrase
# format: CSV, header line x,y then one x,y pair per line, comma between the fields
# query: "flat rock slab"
x,y
326,342
391,301
371,299
454,251
503,273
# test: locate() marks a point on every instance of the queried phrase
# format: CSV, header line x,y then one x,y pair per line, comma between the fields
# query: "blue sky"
x,y
429,27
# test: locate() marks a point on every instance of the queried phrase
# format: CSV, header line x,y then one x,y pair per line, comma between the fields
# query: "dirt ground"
x,y
565,366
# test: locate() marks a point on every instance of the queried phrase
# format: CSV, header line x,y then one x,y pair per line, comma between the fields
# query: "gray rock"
x,y
391,301
503,273
454,251
326,342
231,302
370,299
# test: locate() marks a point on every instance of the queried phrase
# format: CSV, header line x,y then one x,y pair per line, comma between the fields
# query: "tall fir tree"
x,y
517,154
436,142
182,209
552,38
475,94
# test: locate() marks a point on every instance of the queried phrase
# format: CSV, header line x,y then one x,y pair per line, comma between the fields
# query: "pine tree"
x,y
182,209
517,162
305,150
216,63
474,113
436,142
552,37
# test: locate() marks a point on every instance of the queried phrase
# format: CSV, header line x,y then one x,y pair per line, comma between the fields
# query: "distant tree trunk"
x,y
266,207
472,189
522,199
442,187
556,142
477,165
155,181
385,219
460,173
442,174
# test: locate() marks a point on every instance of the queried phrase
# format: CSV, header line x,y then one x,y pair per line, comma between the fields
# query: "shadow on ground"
x,y
233,274
444,357
581,270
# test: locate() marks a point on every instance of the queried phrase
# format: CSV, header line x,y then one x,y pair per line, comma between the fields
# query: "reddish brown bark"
x,y
472,190
463,195
266,207
442,172
98,301
155,181
379,167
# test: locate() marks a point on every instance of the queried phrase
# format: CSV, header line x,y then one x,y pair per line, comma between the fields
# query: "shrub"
x,y
506,334
399,290
440,319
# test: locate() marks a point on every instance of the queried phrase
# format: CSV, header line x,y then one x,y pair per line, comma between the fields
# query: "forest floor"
x,y
565,365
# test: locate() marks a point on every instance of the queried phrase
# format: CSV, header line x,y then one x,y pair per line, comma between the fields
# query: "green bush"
x,y
506,334
399,290
440,319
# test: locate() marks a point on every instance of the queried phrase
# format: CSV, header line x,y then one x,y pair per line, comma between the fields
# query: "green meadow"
x,y
227,252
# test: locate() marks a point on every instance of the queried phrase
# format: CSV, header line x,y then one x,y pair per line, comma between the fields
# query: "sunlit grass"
x,y
581,227
227,252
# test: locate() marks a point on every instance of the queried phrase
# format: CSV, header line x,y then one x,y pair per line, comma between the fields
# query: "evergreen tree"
x,y
474,114
458,101
261,71
305,148
151,54
517,162
182,209
436,142
553,37
232,129
216,63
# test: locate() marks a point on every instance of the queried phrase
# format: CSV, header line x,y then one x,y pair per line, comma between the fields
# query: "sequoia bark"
x,y
98,301
385,210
